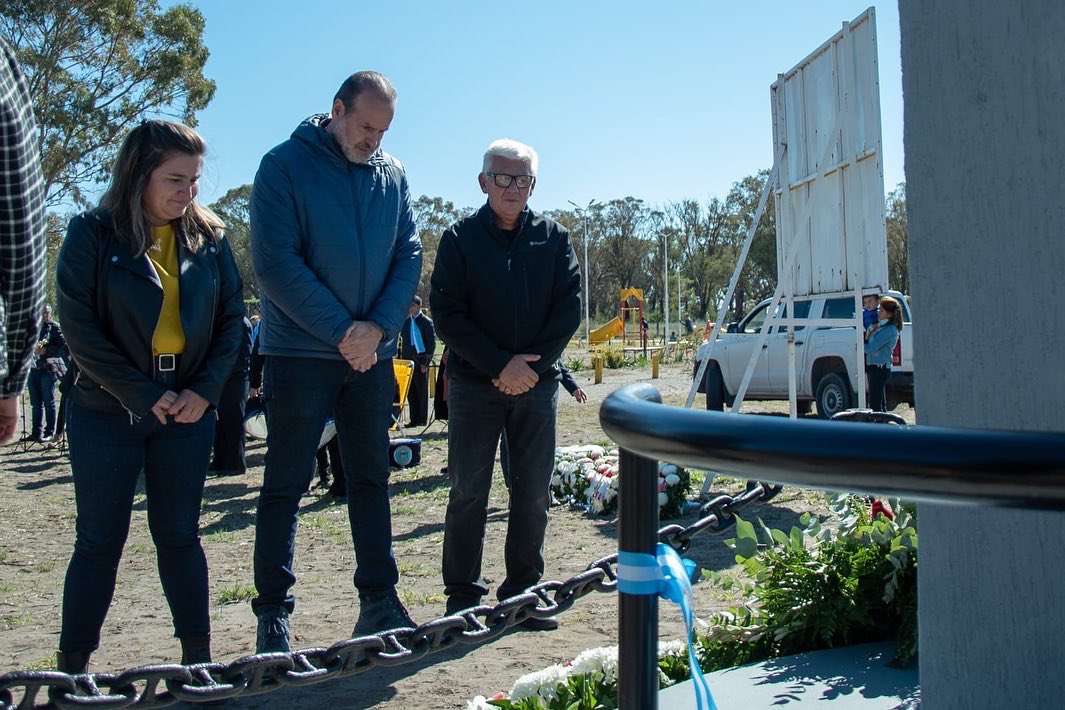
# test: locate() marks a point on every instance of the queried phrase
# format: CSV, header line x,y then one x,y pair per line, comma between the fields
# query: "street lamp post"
x,y
583,212
665,282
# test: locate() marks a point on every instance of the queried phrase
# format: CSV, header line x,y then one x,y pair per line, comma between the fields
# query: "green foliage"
x,y
613,358
95,69
575,363
806,589
898,239
813,588
433,216
234,209
235,593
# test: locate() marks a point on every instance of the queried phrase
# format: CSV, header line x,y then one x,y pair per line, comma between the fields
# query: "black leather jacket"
x,y
110,302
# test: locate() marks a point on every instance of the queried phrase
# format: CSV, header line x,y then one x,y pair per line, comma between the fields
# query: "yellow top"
x,y
169,336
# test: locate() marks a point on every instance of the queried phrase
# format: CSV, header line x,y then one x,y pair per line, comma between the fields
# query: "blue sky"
x,y
660,101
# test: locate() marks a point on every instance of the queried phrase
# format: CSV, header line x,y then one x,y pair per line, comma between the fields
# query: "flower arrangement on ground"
x,y
807,589
588,477
588,680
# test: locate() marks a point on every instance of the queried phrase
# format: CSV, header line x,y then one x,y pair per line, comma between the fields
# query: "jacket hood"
x,y
312,132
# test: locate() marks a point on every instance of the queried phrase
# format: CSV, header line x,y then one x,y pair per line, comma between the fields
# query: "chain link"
x,y
159,685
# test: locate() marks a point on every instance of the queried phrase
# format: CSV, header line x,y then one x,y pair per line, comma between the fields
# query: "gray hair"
x,y
512,149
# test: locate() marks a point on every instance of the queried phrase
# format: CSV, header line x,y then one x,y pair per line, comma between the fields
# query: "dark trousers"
x,y
301,392
42,401
418,397
877,378
229,432
478,414
108,452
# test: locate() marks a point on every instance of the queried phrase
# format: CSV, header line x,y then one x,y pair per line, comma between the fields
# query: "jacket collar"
x,y
488,218
314,134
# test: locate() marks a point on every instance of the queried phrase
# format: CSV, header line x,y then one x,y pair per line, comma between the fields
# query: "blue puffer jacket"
x,y
332,242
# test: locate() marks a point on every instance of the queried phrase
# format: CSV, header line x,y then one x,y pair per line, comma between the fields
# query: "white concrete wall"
x,y
984,87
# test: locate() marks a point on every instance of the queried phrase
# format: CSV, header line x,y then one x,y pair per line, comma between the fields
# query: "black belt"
x,y
166,362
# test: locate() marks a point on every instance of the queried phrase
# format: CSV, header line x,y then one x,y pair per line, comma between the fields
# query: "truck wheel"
x,y
715,388
833,395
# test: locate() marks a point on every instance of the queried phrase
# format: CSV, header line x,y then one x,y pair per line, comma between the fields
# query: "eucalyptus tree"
x,y
95,69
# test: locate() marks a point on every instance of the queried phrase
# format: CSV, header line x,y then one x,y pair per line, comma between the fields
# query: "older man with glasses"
x,y
506,299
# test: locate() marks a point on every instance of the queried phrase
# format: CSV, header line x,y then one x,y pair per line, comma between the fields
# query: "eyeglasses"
x,y
524,182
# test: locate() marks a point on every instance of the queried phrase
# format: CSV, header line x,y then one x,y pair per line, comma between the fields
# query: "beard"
x,y
357,152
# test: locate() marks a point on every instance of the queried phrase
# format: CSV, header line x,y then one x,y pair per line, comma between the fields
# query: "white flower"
x,y
598,662
672,648
672,479
556,481
667,468
479,703
566,467
662,499
541,683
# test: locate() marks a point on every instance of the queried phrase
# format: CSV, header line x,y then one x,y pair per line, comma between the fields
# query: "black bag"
x,y
404,453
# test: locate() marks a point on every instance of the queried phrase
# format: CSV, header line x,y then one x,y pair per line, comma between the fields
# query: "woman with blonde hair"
x,y
880,342
151,300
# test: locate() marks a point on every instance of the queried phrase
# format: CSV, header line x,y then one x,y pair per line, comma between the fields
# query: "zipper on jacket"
x,y
359,240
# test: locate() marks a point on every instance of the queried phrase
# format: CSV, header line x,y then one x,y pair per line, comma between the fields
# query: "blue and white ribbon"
x,y
668,576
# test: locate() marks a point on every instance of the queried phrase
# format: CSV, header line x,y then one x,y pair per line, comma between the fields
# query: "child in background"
x,y
870,308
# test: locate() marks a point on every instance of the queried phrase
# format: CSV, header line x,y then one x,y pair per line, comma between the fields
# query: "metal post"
x,y
665,282
587,293
583,211
638,613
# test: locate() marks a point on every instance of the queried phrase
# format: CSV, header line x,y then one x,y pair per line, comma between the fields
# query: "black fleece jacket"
x,y
495,296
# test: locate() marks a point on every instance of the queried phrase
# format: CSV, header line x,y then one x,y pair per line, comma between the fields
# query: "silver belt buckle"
x,y
167,362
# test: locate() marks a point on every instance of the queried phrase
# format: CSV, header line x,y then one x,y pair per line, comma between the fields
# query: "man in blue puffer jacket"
x,y
337,257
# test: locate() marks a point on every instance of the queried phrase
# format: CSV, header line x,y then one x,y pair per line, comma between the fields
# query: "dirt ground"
x,y
37,534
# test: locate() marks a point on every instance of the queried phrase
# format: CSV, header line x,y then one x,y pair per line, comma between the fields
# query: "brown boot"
x,y
196,649
73,662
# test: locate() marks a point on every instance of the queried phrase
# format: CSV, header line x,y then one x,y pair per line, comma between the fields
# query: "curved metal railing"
x,y
1025,469
920,463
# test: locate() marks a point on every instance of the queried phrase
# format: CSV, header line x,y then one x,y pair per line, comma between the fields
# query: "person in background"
x,y
689,326
880,342
48,367
418,345
506,298
337,258
870,310
228,458
151,298
22,247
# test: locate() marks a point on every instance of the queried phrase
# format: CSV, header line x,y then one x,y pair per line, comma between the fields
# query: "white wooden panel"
x,y
827,127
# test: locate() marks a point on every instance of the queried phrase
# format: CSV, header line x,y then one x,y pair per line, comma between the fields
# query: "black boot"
x,y
73,662
196,649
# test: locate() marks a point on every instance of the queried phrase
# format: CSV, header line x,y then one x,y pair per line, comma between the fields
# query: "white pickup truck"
x,y
825,367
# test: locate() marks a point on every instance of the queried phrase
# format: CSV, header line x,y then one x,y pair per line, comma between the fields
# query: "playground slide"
x,y
614,328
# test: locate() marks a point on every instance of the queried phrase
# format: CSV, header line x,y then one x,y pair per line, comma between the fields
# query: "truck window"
x,y
802,310
839,308
755,320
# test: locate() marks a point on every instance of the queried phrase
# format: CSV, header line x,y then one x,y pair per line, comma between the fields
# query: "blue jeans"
x,y
300,394
478,414
42,401
108,452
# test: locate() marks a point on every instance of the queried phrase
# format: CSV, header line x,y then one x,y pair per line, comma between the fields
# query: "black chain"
x,y
159,685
